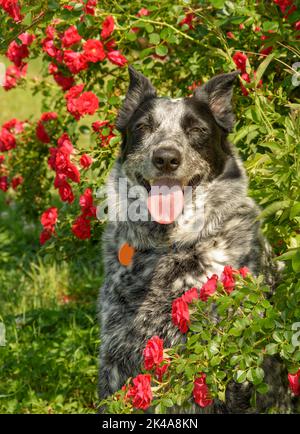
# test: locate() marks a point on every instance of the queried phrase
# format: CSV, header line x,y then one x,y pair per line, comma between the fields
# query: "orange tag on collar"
x,y
126,253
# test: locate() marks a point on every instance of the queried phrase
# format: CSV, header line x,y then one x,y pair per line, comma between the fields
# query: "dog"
x,y
178,142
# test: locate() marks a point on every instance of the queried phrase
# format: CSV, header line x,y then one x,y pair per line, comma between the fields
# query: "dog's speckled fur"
x,y
135,301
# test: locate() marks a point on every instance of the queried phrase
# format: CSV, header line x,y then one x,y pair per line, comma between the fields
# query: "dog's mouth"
x,y
166,196
168,182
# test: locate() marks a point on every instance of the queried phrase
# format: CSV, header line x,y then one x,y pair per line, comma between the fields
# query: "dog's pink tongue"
x,y
165,201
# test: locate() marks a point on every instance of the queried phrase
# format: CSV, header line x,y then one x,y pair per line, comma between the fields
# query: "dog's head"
x,y
183,140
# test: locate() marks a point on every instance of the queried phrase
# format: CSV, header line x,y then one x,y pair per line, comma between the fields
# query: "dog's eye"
x,y
142,127
197,130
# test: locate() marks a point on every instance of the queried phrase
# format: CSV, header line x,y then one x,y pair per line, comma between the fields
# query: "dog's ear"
x,y
139,90
217,93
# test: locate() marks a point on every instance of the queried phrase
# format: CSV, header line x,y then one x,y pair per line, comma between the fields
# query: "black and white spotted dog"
x,y
178,142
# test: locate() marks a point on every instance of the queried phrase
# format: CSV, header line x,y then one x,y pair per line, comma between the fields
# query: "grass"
x,y
49,362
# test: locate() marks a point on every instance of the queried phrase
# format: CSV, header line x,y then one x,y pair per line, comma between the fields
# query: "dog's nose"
x,y
166,159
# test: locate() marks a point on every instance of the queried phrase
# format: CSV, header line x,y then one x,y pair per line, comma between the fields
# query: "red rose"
x,y
117,58
110,45
89,6
283,4
294,383
81,228
244,271
141,392
2,159
14,126
13,75
70,37
66,192
98,125
12,8
45,236
93,51
108,26
49,218
16,181
230,35
86,203
75,61
7,140
41,132
188,20
65,82
64,143
190,295
3,183
180,314
85,161
153,352
201,392
240,60
16,53
72,172
227,279
209,287
161,370
86,103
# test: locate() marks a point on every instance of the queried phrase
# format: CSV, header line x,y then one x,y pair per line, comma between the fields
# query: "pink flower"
x,y
108,26
143,12
209,288
117,58
85,161
201,392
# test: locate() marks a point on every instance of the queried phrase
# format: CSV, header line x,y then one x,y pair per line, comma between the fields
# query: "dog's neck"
x,y
221,198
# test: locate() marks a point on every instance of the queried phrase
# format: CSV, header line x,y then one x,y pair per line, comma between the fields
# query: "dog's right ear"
x,y
139,90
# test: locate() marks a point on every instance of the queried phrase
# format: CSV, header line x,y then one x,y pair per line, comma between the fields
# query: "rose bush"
x,y
52,165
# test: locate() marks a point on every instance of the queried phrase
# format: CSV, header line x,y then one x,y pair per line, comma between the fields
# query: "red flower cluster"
x,y
286,4
154,357
108,26
240,60
201,391
16,181
180,308
48,220
70,37
41,132
59,161
12,8
294,383
13,76
7,138
140,392
16,52
3,183
81,227
80,104
98,127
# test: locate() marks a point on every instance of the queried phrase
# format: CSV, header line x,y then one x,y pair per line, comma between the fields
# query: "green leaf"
x,y
240,376
295,210
161,50
262,388
274,207
296,261
271,349
154,38
262,67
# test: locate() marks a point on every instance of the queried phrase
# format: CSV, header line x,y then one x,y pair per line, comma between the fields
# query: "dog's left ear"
x,y
217,93
140,89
